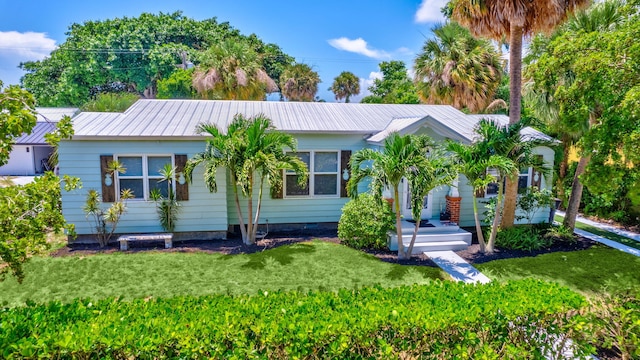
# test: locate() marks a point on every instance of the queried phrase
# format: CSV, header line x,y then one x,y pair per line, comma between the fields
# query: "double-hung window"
x,y
324,175
142,174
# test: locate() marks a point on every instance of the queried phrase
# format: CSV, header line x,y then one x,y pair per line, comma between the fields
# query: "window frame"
x,y
528,174
312,173
145,174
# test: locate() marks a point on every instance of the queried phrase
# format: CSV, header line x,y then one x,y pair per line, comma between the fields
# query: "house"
x,y
31,152
154,132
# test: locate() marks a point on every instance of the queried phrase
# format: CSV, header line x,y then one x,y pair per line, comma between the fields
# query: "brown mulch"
x,y
234,245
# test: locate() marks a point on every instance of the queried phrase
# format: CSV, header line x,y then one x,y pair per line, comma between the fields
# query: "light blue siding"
x,y
203,211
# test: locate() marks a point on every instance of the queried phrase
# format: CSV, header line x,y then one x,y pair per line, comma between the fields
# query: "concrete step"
x,y
438,246
440,241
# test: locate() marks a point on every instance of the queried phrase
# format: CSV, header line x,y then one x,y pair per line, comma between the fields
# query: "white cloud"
x,y
358,46
429,11
365,84
25,46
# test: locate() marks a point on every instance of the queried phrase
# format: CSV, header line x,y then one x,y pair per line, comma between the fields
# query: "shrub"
x,y
442,320
522,237
364,223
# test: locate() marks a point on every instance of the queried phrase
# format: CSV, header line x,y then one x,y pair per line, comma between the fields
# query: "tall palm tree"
x,y
435,169
250,147
513,19
457,69
232,71
386,167
299,83
345,85
473,163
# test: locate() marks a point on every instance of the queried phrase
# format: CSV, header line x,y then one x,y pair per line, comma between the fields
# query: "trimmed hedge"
x,y
442,320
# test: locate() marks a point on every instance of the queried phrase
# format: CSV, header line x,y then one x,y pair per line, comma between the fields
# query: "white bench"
x,y
125,239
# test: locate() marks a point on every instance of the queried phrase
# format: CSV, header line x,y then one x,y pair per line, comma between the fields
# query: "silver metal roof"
x,y
54,114
37,134
526,133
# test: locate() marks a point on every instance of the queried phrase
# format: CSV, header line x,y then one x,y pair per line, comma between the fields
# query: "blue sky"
x,y
332,36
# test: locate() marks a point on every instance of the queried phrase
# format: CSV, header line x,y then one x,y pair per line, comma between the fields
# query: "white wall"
x,y
20,162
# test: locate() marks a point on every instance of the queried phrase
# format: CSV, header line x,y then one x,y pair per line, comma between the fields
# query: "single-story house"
x,y
154,132
31,152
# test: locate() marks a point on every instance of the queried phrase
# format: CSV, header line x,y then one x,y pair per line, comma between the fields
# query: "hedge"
x,y
519,319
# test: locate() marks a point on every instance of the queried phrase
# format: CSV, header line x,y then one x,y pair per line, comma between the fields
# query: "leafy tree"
x,y
603,70
454,68
17,116
513,19
250,147
395,87
386,167
345,85
179,85
133,52
232,71
299,83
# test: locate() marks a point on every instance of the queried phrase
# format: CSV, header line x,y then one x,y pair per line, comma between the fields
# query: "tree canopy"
x,y
17,116
395,87
299,83
133,54
345,85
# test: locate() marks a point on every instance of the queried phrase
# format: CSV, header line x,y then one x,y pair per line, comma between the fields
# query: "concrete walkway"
x,y
457,267
628,234
604,240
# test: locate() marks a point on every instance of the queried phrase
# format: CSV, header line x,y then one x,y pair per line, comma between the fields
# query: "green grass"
x,y
306,266
594,271
604,233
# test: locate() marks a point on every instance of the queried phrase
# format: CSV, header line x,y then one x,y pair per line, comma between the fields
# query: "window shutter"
x,y
182,190
345,158
108,191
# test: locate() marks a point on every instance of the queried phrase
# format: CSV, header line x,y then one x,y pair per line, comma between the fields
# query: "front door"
x,y
406,203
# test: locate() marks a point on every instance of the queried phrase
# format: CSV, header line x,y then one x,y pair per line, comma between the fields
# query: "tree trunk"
x,y
496,221
257,218
576,194
483,245
515,73
562,171
250,239
413,239
396,199
510,199
243,229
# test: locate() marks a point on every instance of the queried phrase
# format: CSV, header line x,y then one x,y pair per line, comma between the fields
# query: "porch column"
x,y
453,202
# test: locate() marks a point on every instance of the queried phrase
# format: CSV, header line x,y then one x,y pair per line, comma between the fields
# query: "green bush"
x,y
522,237
520,319
364,223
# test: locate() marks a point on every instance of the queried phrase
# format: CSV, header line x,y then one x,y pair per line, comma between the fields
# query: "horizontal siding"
x,y
203,211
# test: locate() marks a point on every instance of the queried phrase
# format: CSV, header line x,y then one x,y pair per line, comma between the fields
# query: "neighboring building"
x,y
153,132
31,152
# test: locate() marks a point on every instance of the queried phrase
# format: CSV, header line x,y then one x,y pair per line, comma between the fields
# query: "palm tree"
x,y
299,83
513,19
250,147
386,167
433,170
457,69
473,163
232,71
345,85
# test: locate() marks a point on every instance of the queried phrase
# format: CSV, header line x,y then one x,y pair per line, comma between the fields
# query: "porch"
x,y
435,235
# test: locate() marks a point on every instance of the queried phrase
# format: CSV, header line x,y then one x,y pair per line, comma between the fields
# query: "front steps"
x,y
440,237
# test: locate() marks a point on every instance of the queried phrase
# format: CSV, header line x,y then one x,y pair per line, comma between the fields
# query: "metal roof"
x,y
179,118
154,119
37,134
54,114
526,133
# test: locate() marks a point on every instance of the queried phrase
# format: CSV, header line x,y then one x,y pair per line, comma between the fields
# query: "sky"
x,y
331,35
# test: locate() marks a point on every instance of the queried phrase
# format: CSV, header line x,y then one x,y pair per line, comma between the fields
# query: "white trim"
x,y
145,174
312,173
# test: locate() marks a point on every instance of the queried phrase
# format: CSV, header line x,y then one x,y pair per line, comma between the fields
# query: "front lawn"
x,y
593,271
304,266
604,233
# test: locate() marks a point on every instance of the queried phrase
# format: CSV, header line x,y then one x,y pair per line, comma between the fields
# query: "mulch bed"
x,y
234,245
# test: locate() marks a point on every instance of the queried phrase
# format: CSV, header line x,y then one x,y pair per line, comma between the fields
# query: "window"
x,y
323,178
526,178
143,174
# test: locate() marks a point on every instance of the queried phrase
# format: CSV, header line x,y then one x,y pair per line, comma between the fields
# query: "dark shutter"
x,y
536,180
108,191
345,157
182,190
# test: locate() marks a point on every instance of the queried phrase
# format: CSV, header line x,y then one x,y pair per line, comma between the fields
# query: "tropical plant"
x,y
106,221
232,70
345,85
364,222
385,168
533,200
167,206
178,85
250,147
435,169
17,116
395,87
110,102
299,83
499,19
454,68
